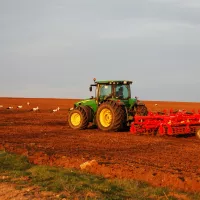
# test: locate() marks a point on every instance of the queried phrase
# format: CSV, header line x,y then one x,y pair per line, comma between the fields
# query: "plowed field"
x,y
45,138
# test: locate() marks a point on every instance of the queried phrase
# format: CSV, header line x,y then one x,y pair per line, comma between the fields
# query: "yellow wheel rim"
x,y
75,119
105,117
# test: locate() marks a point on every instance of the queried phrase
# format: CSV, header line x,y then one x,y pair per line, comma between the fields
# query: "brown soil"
x,y
46,138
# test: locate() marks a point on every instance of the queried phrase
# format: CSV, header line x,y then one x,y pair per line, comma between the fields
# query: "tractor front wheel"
x,y
110,117
78,118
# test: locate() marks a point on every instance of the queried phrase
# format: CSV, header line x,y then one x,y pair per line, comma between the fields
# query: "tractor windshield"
x,y
105,90
122,91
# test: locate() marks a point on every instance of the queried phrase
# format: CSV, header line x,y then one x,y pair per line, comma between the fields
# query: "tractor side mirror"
x,y
90,88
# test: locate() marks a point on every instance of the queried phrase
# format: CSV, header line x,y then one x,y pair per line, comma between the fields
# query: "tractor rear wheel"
x,y
198,134
78,118
110,117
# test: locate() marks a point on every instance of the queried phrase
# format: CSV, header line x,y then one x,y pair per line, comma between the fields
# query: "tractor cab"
x,y
115,89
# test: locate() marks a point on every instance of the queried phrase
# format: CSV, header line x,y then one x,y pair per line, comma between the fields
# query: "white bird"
x,y
57,109
10,107
34,109
28,103
19,106
156,104
1,106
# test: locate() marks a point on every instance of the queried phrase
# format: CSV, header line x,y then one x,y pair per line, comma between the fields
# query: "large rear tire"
x,y
78,118
110,117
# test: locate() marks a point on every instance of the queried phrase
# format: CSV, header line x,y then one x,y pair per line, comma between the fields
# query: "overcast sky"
x,y
54,48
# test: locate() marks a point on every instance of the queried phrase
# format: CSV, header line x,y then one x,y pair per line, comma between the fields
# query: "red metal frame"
x,y
170,123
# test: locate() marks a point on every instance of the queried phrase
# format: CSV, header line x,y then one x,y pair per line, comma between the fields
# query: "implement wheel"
x,y
78,118
110,117
198,134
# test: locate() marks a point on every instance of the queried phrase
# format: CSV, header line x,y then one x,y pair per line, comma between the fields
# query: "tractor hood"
x,y
84,102
87,102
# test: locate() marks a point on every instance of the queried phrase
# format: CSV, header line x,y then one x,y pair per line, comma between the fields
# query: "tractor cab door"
x,y
105,91
122,92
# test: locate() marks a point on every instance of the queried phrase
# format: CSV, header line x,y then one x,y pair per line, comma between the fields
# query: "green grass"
x,y
77,183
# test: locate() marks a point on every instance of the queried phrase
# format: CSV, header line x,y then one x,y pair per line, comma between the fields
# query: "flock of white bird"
x,y
33,109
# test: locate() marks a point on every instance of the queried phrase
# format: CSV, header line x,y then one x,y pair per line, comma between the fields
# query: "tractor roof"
x,y
114,82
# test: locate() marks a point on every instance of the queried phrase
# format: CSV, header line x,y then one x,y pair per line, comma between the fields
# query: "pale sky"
x,y
54,48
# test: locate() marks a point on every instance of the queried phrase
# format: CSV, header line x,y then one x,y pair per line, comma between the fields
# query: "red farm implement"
x,y
167,123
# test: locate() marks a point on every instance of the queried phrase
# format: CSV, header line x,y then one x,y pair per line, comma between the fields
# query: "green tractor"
x,y
112,108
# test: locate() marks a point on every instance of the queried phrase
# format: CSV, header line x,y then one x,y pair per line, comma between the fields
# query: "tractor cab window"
x,y
122,91
105,90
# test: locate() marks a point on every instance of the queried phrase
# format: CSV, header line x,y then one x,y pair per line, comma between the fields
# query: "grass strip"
x,y
17,169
